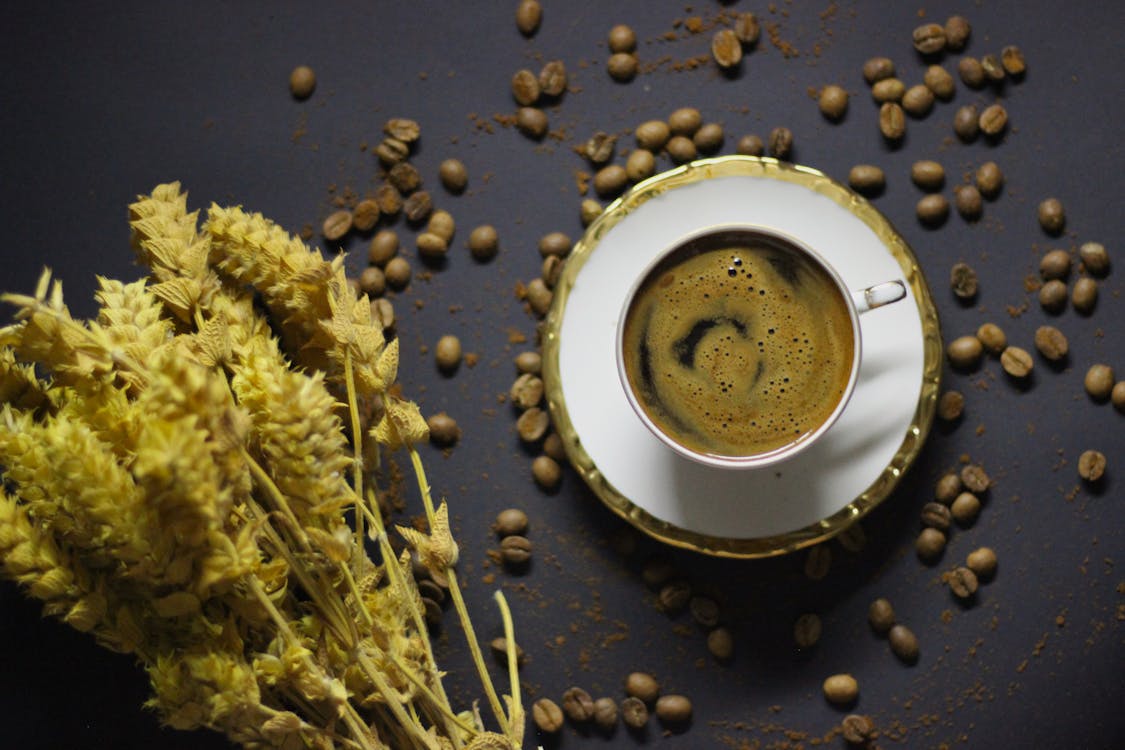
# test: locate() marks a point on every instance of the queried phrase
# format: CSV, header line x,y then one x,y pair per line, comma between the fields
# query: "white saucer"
x,y
741,513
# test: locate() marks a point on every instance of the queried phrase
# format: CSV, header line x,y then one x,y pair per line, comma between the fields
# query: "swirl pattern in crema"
x,y
737,346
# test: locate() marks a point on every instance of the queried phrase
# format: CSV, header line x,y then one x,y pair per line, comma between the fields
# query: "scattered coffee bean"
x,y
1091,465
383,313
709,138
552,79
781,143
982,562
1099,382
578,705
656,572
442,224
967,199
929,545
546,472
430,246
963,280
1117,396
833,102
877,69
857,729
720,643
866,179
365,215
555,243
622,39
643,686
338,224
405,177
939,81
443,429
418,207
634,713
989,179
525,87
432,612
372,281
302,82
888,90
1016,362
605,713
974,477
965,352
993,70
957,31
453,175
533,424
971,72
389,199
806,630
599,148
881,615
992,337
511,522
965,509
1051,216
674,597
611,180
515,550
681,149
841,689
1094,258
750,145
1084,296
1052,296
447,353
652,135
1055,265
904,644
591,209
553,447
993,120
539,297
962,582
853,538
936,516
499,647
527,391
532,122
918,100
1051,343
929,39
704,610
726,48
818,562
673,709
892,121
927,174
951,405
391,151
383,247
484,242
547,715
966,123
747,29
528,15
551,270
430,590
1013,61
622,66
947,487
640,165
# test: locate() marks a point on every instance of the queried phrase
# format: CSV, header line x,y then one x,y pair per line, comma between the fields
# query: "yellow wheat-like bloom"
x,y
19,385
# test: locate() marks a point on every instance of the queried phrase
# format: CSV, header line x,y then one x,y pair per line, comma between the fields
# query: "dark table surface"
x,y
103,101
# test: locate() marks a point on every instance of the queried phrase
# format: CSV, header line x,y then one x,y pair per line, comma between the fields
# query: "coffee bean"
x,y
927,174
591,209
968,201
605,714
947,487
841,689
892,121
957,30
511,522
1055,265
553,447
1099,382
551,270
528,15
417,207
546,472
888,90
975,479
936,516
539,297
989,179
555,243
525,87
442,224
1016,362
622,66
1013,61
720,643
1084,295
499,647
993,70
709,138
578,705
622,39
453,175
966,123
806,630
365,215
634,713
963,280
599,148
1051,216
443,429
484,242
929,39
881,615
904,644
652,135
993,120
302,82
818,562
515,550
1052,296
982,562
674,597
1051,343
750,145
857,729
971,72
383,313
640,165
372,281
965,352
705,611
877,69
929,545
552,79
940,82
1094,258
389,199
673,709
965,509
747,29
611,180
526,391
656,572
383,247
781,143
532,425
867,179
447,353
681,149
833,102
918,100
430,590
853,538
962,582
430,246
950,406
337,225
1117,396
992,337
391,151
532,122
547,715
643,686
1091,465
432,612
726,48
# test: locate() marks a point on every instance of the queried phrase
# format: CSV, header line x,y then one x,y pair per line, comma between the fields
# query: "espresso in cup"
x,y
738,343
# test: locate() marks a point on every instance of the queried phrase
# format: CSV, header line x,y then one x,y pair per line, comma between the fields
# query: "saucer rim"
x,y
888,478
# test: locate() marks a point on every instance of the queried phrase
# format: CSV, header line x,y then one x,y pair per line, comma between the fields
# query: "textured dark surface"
x,y
100,105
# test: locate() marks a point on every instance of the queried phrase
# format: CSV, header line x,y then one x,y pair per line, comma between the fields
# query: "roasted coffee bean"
x,y
975,478
962,582
971,72
781,143
674,597
622,66
405,177
936,516
605,713
634,713
442,224
892,121
447,353
957,31
546,472
552,79
720,643
967,199
528,15
578,705
499,647
888,90
704,610
1016,362
417,207
383,247
1052,296
750,145
857,729
443,428
965,509
853,538
877,69
533,424
389,199
515,550
932,209
681,149
611,180
927,174
1091,465
881,615
1094,257
989,179
405,130
392,151
966,123
652,135
947,487
383,313
982,561
430,590
365,215
532,122
372,281
992,337
929,39
302,82
1099,382
539,297
806,630
1012,59
551,270
841,689
866,179
951,405
453,175
622,39
484,242
939,81
591,209
338,224
656,572
1055,265
1052,217
430,246
726,48
833,102
431,610
640,165
963,280
526,391
673,709
1084,295
965,352
555,243
903,642
643,686
993,120
1051,343
918,100
525,87
929,545
818,562
599,149
511,522
747,29
709,138
993,70
547,715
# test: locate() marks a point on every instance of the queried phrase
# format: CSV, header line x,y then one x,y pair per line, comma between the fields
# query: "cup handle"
x,y
878,295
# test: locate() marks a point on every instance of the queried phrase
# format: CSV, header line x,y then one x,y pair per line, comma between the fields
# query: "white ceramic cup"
x,y
858,302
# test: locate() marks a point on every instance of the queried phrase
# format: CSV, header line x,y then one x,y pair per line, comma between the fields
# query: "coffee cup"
x,y
740,346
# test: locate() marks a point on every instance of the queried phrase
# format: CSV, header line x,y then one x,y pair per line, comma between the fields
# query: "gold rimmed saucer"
x,y
726,512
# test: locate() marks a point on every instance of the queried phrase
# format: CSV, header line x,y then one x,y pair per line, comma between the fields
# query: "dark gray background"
x,y
103,101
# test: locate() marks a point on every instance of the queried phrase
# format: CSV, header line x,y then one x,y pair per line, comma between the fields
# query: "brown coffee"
x,y
738,344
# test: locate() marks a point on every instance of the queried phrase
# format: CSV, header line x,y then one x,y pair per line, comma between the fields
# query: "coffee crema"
x,y
738,345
